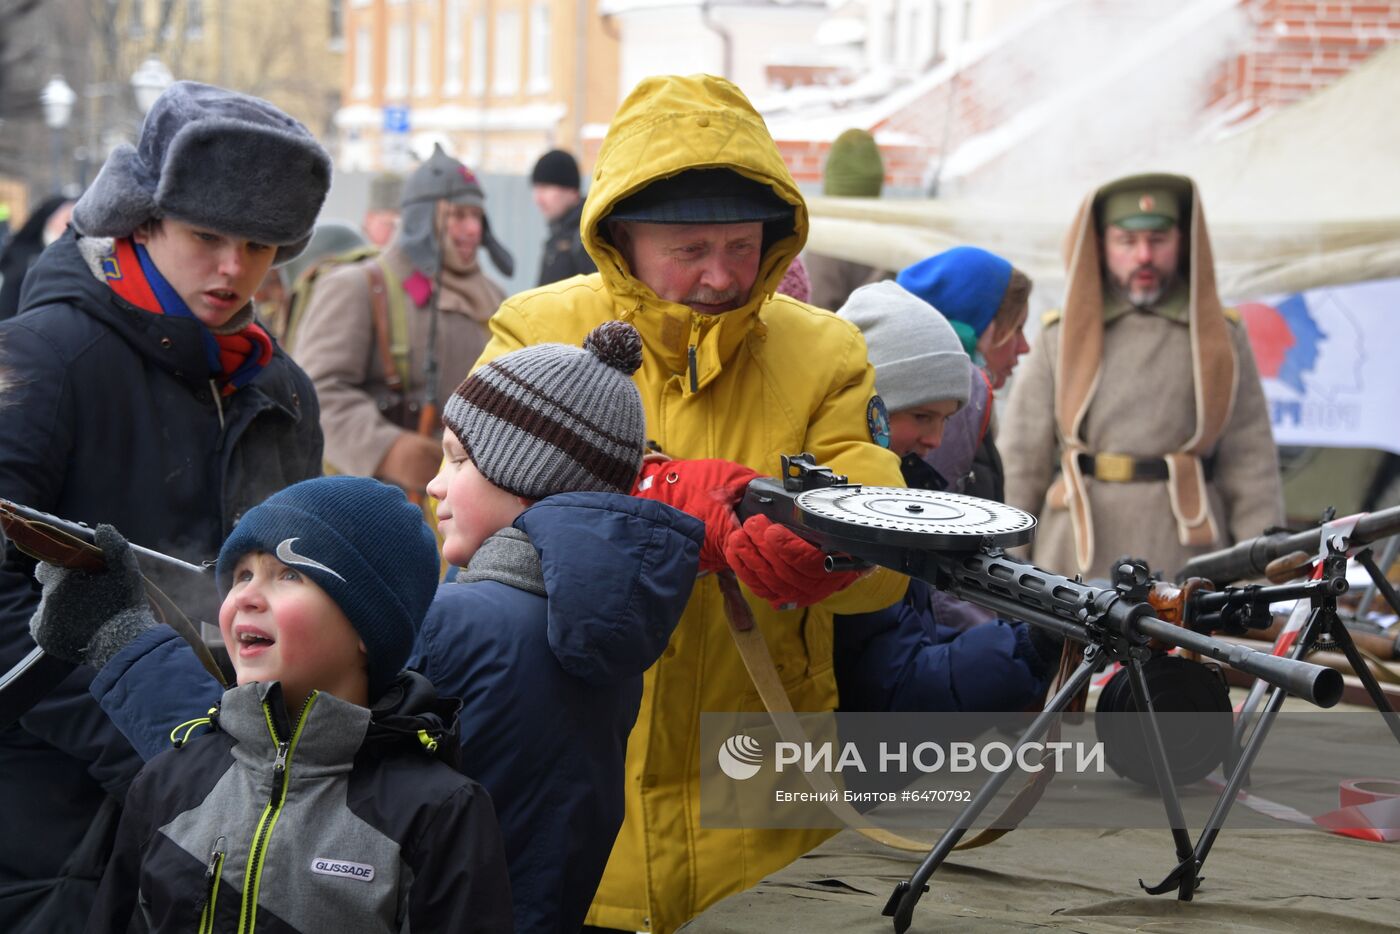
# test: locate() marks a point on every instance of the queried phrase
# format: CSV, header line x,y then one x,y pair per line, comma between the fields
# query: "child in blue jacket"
x,y
929,652
571,589
318,799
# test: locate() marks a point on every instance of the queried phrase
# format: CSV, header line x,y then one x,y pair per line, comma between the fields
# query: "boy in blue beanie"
x,y
324,794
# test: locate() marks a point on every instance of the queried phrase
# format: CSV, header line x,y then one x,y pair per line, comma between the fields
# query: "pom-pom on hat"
x,y
216,159
364,544
553,419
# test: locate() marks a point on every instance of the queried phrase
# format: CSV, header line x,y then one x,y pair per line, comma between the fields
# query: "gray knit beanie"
x,y
555,419
214,158
917,356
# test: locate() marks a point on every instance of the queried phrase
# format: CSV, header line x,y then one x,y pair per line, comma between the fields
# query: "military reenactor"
x,y
387,339
1137,424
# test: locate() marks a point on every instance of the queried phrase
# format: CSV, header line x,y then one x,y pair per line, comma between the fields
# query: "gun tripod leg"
x,y
1184,876
1363,671
906,895
1248,754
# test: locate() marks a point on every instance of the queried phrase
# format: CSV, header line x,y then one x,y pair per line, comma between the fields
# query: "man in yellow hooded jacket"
x,y
693,219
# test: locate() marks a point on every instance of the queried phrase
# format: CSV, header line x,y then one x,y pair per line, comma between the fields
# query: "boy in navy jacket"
x,y
316,801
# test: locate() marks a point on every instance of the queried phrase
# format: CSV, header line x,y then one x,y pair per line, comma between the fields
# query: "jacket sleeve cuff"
x,y
150,686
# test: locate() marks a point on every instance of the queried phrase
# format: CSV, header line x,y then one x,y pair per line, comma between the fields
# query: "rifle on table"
x,y
1254,556
956,543
70,544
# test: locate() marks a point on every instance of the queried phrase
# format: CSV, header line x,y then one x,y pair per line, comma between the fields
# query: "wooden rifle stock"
x,y
429,426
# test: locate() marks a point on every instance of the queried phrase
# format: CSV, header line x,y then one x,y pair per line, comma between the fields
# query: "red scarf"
x,y
234,359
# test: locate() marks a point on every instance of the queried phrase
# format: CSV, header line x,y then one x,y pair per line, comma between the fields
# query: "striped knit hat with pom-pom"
x,y
555,419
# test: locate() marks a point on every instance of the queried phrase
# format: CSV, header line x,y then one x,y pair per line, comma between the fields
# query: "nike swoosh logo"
x,y
287,556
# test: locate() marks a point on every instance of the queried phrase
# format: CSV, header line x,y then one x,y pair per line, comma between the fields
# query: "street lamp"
x,y
57,99
149,82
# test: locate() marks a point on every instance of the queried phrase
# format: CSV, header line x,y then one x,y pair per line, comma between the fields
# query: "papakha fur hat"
x,y
216,159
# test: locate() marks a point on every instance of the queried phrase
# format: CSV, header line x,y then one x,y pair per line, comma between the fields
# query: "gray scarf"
x,y
509,558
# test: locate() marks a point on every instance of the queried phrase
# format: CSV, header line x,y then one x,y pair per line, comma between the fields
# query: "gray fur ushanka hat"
x,y
217,159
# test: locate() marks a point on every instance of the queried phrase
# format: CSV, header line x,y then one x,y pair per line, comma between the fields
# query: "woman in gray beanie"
x,y
146,395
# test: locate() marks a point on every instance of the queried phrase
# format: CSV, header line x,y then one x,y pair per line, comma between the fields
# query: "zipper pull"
x,y
690,353
215,855
279,765
211,882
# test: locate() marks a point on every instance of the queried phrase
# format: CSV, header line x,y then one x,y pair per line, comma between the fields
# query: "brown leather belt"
x,y
1124,468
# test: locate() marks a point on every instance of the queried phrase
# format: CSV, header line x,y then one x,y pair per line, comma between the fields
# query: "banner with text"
x,y
1328,362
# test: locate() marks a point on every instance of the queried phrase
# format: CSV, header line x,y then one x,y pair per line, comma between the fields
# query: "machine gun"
x,y
70,544
956,543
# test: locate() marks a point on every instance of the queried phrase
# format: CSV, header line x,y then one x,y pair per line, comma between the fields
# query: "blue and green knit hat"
x,y
966,284
364,544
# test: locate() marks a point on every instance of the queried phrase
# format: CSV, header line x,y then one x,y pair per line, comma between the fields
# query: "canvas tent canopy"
x,y
1308,196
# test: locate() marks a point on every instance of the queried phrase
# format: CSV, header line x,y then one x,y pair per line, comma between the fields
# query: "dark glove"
x,y
705,489
86,617
780,567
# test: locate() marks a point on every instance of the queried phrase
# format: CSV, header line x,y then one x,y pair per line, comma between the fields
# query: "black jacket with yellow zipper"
x,y
334,818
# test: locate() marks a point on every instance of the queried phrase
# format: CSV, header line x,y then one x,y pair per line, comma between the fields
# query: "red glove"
x,y
780,567
705,489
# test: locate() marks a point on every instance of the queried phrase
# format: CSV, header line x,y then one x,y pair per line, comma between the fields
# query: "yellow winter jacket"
x,y
773,377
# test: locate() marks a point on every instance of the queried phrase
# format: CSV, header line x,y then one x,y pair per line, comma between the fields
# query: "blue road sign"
x,y
395,119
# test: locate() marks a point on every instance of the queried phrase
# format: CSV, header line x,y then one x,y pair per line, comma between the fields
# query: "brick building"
x,y
1046,79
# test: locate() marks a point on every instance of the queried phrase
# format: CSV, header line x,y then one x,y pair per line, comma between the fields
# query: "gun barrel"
x,y
85,533
1250,557
1022,591
1314,683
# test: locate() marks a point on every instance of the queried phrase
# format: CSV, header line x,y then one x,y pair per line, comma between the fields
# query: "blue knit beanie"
x,y
364,544
965,283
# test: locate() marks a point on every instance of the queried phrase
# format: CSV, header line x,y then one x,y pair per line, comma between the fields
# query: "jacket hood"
x,y
667,125
639,554
409,707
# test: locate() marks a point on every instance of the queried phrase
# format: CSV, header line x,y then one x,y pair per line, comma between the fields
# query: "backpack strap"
x,y
379,306
305,285
390,323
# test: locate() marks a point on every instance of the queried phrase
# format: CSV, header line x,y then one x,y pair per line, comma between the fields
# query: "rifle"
x,y
1252,557
70,544
429,414
956,543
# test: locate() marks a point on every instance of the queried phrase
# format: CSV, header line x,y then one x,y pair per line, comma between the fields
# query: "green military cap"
x,y
1148,208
